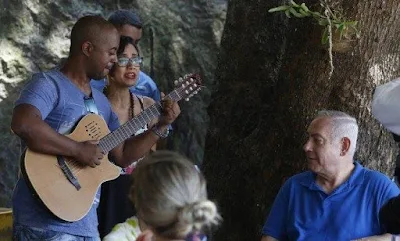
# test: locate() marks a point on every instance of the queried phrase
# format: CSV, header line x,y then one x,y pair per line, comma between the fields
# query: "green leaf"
x,y
304,7
287,13
304,13
341,27
316,15
295,13
294,4
351,23
324,38
279,9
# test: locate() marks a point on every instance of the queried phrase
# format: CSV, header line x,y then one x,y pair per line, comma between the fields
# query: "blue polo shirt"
x,y
303,211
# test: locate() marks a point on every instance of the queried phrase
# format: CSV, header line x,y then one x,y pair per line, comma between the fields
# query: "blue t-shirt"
x,y
145,86
61,104
303,211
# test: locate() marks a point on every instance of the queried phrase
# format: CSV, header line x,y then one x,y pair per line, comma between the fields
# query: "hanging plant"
x,y
345,29
337,31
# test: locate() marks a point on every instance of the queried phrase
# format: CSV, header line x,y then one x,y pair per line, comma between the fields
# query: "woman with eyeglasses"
x,y
170,196
115,206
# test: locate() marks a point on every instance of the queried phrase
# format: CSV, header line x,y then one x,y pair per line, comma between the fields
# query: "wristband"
x,y
157,131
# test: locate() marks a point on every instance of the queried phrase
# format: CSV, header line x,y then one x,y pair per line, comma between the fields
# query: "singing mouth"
x,y
130,75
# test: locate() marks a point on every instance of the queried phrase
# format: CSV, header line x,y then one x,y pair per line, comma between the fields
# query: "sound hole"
x,y
93,130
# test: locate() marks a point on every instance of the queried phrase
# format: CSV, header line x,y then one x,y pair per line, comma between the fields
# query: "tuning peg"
x,y
195,92
194,85
176,82
191,80
187,92
187,99
190,88
180,79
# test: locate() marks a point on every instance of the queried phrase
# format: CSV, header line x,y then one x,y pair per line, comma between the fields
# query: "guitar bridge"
x,y
68,173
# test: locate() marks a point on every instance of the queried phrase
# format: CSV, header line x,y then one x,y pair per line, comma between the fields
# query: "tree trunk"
x,y
273,78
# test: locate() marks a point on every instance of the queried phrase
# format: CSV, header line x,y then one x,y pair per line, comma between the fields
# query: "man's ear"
x,y
345,146
87,48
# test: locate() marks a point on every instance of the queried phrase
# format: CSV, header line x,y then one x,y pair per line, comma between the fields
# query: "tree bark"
x,y
272,79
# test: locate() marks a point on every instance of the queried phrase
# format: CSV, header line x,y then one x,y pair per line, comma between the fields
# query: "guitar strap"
x,y
90,104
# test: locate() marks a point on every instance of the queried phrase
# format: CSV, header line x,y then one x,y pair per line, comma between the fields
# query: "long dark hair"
x,y
123,42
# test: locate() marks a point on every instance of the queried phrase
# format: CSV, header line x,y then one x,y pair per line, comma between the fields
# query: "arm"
x,y
138,146
37,100
27,123
268,238
133,148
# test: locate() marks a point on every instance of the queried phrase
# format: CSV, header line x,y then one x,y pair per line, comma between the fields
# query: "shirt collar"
x,y
356,178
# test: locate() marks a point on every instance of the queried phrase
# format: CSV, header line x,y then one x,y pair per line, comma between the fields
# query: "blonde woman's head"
x,y
170,196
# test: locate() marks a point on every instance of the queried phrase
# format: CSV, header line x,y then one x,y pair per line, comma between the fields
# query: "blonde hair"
x,y
170,196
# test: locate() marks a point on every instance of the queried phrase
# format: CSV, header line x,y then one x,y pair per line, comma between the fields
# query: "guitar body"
x,y
49,182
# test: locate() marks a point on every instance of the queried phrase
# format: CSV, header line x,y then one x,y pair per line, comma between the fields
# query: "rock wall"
x,y
34,36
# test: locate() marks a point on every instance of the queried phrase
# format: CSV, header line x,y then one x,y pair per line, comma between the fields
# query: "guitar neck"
x,y
190,86
126,130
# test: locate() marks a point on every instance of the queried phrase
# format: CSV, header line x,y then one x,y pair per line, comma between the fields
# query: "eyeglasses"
x,y
135,61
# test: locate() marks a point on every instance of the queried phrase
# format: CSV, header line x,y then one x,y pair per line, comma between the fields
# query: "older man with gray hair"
x,y
338,198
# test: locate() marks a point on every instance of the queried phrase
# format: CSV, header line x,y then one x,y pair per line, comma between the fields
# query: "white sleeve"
x,y
386,105
127,231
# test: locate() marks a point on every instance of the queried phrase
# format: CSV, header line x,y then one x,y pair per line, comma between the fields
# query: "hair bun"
x,y
199,215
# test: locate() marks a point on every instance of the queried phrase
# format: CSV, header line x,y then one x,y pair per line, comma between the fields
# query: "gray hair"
x,y
170,196
343,125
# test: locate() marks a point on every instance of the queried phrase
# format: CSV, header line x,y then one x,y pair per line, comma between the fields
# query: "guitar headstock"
x,y
187,86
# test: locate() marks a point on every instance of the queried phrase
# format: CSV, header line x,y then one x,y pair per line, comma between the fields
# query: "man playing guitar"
x,y
49,107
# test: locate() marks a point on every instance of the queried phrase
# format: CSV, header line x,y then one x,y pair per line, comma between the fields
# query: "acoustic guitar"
x,y
67,188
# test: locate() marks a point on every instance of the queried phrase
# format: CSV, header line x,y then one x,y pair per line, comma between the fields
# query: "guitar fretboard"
x,y
126,130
